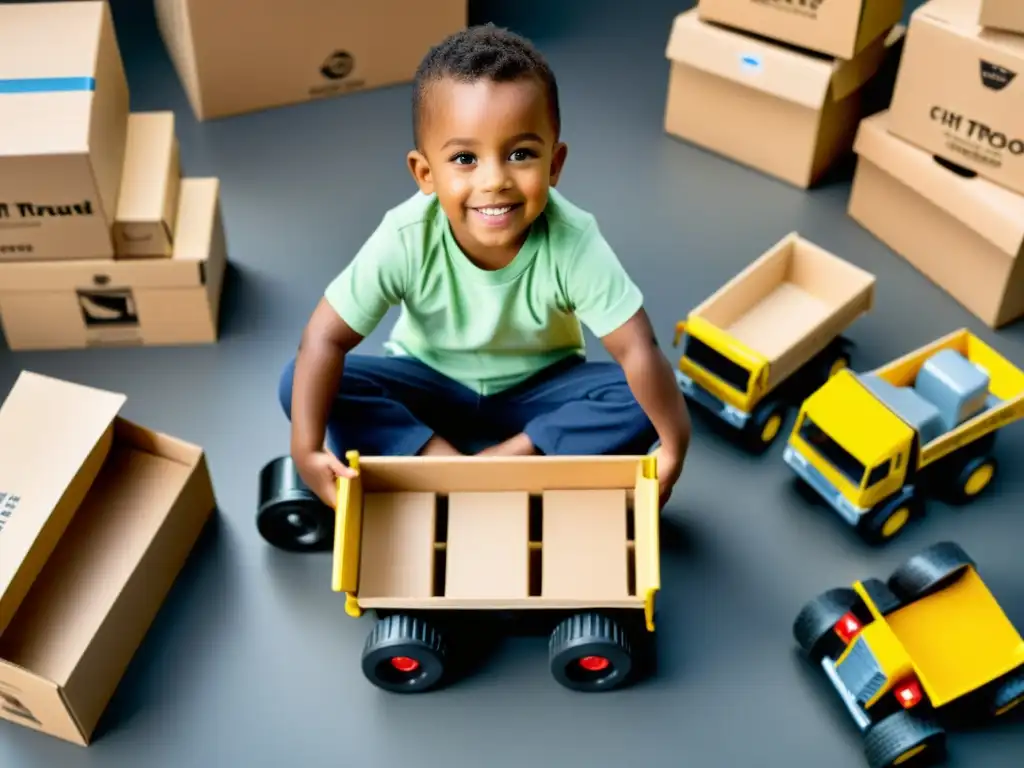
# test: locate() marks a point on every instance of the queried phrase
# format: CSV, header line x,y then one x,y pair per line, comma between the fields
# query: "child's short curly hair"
x,y
483,52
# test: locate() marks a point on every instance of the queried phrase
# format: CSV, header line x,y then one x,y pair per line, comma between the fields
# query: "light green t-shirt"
x,y
487,329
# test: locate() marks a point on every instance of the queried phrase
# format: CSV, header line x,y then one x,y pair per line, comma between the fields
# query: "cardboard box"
x,y
236,56
960,91
63,126
1007,15
789,114
54,305
840,28
147,209
966,234
99,515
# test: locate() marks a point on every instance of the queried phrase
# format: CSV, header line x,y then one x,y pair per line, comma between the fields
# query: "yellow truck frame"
x,y
915,655
770,336
855,451
442,549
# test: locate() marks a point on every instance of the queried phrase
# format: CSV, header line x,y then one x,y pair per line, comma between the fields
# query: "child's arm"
x,y
318,368
653,383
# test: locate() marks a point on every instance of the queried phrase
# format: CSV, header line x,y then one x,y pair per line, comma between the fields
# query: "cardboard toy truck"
x,y
440,548
912,656
770,336
873,445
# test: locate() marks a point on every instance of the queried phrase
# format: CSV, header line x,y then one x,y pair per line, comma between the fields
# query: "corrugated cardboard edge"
x,y
175,26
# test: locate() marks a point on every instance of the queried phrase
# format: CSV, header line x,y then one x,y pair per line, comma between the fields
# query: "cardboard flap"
x,y
850,75
34,702
996,213
800,78
54,437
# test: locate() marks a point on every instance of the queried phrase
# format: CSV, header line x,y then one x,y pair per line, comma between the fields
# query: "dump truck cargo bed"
x,y
790,303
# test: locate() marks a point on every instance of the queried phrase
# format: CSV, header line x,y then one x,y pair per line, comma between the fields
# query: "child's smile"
x,y
490,153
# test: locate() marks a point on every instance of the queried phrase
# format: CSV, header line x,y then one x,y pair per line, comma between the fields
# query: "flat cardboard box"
x,y
839,28
99,516
1007,15
236,56
54,305
147,210
960,91
966,234
786,113
63,127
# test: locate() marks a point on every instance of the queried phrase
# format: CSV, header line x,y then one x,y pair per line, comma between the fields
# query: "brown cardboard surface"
x,y
398,545
960,91
69,643
790,302
788,113
63,305
43,480
964,234
487,552
841,28
62,145
236,56
147,210
1007,15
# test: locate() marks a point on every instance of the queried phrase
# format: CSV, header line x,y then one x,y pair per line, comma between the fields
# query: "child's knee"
x,y
284,388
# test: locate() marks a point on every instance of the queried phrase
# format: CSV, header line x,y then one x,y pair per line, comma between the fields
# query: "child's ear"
x,y
420,170
558,161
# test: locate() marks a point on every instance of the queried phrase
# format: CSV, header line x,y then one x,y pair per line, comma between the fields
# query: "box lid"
x,y
797,76
52,438
994,212
48,60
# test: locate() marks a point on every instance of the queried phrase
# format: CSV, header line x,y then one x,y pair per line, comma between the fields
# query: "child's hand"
x,y
670,467
320,470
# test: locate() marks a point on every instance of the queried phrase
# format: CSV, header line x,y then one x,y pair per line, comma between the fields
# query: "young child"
x,y
494,271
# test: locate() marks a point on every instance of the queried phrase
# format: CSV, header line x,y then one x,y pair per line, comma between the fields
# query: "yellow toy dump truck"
x,y
770,336
873,445
443,548
917,655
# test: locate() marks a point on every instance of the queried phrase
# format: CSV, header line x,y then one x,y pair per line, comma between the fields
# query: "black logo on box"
x,y
34,211
106,308
800,7
338,65
976,140
995,77
13,706
8,506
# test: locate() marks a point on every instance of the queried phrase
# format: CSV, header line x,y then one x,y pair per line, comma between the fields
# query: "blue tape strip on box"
x,y
48,85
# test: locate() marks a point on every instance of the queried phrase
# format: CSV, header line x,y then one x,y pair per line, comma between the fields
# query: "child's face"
x,y
490,153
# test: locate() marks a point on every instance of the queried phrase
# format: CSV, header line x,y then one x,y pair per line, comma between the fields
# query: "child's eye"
x,y
523,154
462,158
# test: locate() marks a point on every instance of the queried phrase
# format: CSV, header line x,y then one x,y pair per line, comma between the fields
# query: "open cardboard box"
x,y
97,517
1006,15
840,28
236,56
959,93
124,302
63,130
787,113
962,231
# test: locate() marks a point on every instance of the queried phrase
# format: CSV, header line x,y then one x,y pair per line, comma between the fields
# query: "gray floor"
x,y
253,662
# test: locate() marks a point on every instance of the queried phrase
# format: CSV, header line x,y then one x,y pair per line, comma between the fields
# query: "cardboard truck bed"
x,y
526,532
790,303
97,517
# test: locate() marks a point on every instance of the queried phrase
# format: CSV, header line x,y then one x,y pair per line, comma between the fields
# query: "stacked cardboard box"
x,y
1004,15
778,85
940,175
97,517
101,240
236,56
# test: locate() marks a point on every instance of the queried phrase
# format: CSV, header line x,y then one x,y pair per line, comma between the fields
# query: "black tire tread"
x,y
890,738
819,615
583,625
399,628
928,570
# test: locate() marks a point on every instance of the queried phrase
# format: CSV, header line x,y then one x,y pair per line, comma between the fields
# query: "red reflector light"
x,y
848,627
909,694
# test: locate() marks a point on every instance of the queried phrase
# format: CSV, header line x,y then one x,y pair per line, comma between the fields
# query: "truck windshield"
x,y
717,364
832,451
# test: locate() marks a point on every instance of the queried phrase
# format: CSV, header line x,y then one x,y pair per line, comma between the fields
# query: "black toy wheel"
x,y
404,654
765,425
589,652
813,627
889,518
973,478
929,570
835,359
291,517
903,739
1009,695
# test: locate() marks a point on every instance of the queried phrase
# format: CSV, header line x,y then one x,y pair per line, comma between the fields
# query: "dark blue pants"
x,y
391,406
